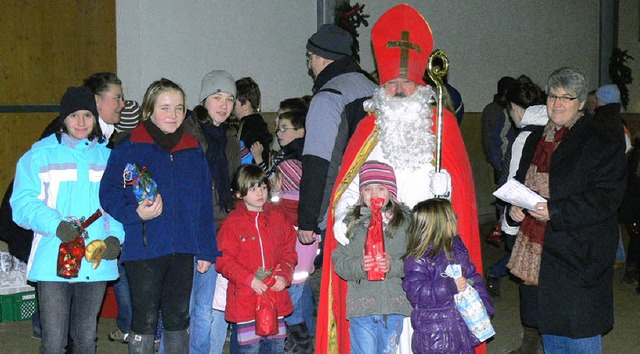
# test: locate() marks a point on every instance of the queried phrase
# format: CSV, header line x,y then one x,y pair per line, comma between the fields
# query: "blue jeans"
x,y
560,345
499,269
308,304
620,255
375,333
265,345
208,327
56,300
123,298
303,305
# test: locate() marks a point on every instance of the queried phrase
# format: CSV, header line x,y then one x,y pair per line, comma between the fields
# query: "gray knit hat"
x,y
331,42
217,81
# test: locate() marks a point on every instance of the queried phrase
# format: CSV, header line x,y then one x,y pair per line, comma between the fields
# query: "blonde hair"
x,y
154,91
433,224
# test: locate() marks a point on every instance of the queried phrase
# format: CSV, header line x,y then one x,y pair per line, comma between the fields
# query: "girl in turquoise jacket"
x,y
58,180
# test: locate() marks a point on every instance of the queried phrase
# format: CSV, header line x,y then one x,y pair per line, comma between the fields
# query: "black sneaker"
x,y
493,286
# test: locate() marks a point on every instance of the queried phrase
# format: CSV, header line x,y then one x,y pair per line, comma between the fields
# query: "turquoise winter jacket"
x,y
55,180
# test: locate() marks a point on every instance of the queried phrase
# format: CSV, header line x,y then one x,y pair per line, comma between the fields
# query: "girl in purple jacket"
x,y
433,245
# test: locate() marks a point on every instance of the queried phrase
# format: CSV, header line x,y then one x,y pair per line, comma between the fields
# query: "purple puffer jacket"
x,y
438,326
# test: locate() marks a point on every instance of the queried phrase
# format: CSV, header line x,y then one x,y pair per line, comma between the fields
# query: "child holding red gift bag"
x,y
375,308
258,248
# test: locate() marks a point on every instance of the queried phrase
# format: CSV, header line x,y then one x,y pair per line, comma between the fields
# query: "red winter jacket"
x,y
239,241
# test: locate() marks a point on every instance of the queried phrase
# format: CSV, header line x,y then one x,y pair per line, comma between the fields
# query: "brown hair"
x,y
246,177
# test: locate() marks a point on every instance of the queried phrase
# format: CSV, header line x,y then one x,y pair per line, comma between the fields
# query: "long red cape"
x,y
332,330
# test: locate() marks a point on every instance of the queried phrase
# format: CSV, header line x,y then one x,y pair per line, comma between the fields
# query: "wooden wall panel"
x,y
46,46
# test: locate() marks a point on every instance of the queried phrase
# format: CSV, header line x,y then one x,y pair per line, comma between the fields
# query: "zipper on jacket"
x,y
260,240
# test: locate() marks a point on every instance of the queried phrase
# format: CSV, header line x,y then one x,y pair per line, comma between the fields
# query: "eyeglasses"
x,y
309,54
562,99
284,129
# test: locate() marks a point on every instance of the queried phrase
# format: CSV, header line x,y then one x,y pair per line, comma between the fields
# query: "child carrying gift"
x,y
256,239
285,195
375,309
434,244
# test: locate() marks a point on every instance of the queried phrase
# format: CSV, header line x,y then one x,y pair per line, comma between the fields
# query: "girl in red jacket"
x,y
256,240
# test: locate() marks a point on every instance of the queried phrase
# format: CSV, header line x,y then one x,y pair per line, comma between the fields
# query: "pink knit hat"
x,y
381,173
290,172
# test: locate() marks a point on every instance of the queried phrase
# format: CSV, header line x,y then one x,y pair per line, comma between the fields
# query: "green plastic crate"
x,y
19,306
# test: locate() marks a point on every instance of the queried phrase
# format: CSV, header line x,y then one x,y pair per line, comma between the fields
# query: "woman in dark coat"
x,y
566,247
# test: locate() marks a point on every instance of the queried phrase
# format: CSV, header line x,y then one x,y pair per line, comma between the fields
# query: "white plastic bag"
x,y
471,308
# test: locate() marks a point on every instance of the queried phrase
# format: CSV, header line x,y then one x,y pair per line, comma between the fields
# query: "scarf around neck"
x,y
166,141
527,252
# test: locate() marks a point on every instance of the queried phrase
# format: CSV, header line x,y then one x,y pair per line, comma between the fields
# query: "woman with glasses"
x,y
566,245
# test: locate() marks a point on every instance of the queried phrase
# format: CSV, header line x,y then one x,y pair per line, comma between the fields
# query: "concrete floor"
x,y
15,337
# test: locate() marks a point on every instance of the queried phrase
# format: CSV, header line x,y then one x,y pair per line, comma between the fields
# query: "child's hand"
x,y
461,283
258,286
280,284
367,262
148,212
256,151
384,263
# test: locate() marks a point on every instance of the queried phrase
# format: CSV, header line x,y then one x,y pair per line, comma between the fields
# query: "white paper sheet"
x,y
515,193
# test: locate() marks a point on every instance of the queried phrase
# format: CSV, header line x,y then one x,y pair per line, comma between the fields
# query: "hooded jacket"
x,y
248,240
437,323
534,119
55,180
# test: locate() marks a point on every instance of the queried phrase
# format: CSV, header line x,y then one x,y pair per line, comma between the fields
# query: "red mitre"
x,y
402,43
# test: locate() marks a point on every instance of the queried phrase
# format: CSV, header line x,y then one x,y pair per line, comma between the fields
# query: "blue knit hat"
x,y
608,94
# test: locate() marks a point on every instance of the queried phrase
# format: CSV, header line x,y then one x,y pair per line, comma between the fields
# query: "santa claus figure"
x,y
400,131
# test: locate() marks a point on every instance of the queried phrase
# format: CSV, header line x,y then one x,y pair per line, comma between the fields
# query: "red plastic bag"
x,y
266,315
70,257
374,243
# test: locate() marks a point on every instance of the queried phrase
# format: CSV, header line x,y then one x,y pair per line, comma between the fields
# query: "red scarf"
x,y
527,251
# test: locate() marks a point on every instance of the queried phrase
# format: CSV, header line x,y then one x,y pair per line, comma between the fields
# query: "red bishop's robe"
x,y
332,330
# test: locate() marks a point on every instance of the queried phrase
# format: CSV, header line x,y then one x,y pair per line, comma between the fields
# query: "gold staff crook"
x,y
437,73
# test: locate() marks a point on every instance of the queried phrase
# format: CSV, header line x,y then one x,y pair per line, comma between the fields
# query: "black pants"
x,y
529,305
164,284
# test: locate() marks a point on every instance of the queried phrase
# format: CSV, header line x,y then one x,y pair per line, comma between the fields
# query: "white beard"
x,y
405,125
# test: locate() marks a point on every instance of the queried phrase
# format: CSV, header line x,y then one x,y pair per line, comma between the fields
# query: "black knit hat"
x,y
75,99
331,42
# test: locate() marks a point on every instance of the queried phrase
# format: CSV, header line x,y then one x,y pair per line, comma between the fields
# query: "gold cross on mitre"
x,y
404,44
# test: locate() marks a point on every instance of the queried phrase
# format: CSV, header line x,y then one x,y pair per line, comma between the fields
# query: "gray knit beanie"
x,y
217,81
331,42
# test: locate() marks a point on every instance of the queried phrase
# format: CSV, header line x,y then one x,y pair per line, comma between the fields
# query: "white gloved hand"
x,y
440,183
340,232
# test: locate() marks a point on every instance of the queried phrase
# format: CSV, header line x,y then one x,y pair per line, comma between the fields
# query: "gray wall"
x,y
265,39
184,40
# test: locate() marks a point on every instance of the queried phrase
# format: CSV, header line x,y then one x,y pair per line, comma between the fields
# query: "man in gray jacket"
x,y
339,86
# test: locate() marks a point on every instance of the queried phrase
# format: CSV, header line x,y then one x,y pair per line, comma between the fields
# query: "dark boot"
x,y
140,343
631,273
175,342
298,339
531,342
